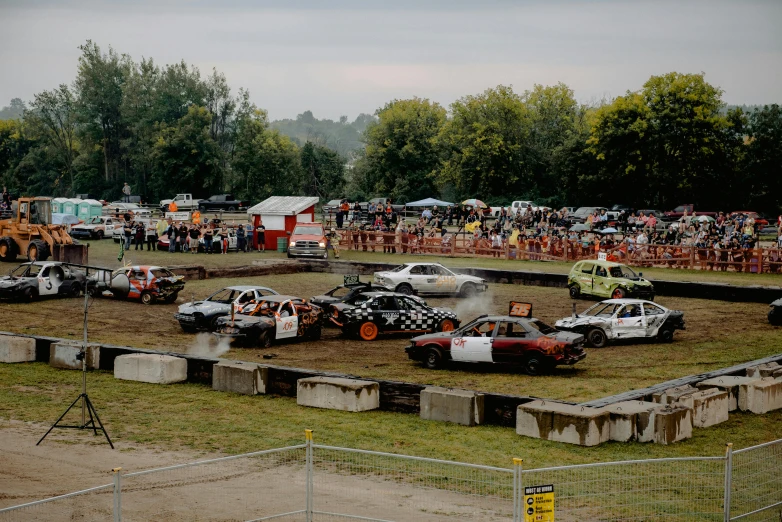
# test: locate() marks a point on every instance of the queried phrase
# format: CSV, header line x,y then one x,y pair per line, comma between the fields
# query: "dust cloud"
x,y
469,308
208,345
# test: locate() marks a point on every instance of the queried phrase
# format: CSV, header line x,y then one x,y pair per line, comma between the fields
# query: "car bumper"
x,y
570,360
10,293
192,321
647,294
307,252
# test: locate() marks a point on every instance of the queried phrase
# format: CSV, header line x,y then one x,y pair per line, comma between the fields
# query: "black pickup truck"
x,y
225,202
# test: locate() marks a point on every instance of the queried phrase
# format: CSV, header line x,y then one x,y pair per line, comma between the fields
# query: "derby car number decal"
x,y
287,326
445,281
390,318
459,341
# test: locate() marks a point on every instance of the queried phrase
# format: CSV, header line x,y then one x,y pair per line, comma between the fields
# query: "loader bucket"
x,y
76,254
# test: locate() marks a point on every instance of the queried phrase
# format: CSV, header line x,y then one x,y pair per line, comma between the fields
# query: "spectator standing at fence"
x,y
208,239
223,234
152,236
138,235
171,232
183,232
241,242
126,193
127,230
193,236
260,231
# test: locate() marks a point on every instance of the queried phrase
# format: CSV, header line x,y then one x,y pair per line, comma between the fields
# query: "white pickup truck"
x,y
515,207
183,202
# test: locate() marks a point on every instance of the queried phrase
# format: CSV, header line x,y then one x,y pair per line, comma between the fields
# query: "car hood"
x,y
778,302
324,299
204,307
8,281
584,320
434,335
87,227
307,237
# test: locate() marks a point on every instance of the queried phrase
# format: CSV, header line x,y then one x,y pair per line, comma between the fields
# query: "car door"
x,y
287,320
420,278
509,341
47,282
628,322
654,317
601,282
445,281
585,277
475,344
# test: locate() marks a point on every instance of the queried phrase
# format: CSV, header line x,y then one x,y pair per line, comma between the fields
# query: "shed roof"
x,y
283,205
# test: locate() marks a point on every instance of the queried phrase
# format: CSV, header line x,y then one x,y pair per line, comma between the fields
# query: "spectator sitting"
x,y
426,215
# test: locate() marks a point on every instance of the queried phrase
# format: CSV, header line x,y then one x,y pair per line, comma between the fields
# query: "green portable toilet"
x,y
57,205
88,209
71,206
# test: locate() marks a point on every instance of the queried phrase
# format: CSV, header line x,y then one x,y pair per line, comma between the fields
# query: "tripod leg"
x,y
92,410
61,417
91,423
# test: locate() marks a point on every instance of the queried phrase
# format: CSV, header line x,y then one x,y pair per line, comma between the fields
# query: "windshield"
x,y
25,271
226,295
542,327
359,299
623,271
96,221
602,310
399,268
162,272
340,292
309,230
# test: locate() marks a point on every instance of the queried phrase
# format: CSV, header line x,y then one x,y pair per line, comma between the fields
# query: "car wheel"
x,y
368,331
99,234
596,338
575,291
7,249
535,365
404,289
665,335
75,290
231,209
171,298
265,339
618,293
147,298
30,294
775,317
433,359
468,290
446,325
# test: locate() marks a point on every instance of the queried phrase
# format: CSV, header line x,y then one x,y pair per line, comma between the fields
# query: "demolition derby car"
x,y
602,278
624,319
429,278
271,319
516,339
29,281
372,313
342,293
203,315
775,314
145,283
97,228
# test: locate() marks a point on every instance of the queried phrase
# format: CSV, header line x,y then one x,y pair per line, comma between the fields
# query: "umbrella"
x,y
704,218
609,230
580,227
472,202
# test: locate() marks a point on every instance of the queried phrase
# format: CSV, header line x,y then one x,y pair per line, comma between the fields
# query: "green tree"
x,y
485,145
186,158
764,158
323,172
401,151
15,144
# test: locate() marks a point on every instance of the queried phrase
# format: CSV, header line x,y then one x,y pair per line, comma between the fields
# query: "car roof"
x,y
628,301
495,318
281,298
610,264
423,263
242,288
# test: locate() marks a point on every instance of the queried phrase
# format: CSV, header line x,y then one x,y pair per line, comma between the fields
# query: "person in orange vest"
x,y
172,207
196,218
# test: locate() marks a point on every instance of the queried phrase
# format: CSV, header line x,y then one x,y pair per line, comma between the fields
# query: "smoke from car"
x,y
469,308
208,345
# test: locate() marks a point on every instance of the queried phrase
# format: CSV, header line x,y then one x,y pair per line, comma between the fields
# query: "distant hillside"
x,y
13,111
340,136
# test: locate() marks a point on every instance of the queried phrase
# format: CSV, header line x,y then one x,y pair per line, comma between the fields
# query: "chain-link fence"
x,y
312,482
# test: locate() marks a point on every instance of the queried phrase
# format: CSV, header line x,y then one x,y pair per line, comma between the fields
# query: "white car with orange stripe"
x,y
429,278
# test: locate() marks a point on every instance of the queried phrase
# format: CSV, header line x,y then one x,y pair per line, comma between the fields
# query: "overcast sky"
x,y
348,56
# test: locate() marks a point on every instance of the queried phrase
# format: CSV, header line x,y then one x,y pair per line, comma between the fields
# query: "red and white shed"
x,y
280,214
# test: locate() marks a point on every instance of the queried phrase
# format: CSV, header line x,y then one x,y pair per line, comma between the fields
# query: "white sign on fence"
x,y
602,256
178,216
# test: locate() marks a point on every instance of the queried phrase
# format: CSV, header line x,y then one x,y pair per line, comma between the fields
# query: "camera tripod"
x,y
87,409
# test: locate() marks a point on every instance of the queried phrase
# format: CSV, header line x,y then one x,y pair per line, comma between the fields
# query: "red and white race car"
x,y
145,283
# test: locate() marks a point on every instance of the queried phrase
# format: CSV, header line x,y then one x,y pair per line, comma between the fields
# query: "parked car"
x,y
144,283
120,208
509,340
624,319
225,202
97,228
607,279
274,318
372,313
775,314
581,214
203,315
429,278
689,208
29,281
184,203
308,240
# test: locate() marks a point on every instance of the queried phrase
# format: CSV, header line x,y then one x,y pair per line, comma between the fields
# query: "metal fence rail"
x,y
311,482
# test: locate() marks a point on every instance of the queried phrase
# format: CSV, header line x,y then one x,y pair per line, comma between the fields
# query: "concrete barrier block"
x,y
678,394
240,377
15,349
632,420
338,394
152,368
761,396
559,422
449,405
672,424
763,370
710,407
728,383
64,355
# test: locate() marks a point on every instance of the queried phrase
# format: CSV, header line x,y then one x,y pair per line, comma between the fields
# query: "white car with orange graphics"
x,y
144,283
429,278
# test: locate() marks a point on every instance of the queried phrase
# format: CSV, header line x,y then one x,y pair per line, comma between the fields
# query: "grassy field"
x,y
193,416
104,253
718,334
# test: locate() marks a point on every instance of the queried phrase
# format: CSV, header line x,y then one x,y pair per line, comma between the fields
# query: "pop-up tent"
x,y
429,202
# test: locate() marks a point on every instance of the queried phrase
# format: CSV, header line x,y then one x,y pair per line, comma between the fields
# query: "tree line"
x,y
167,129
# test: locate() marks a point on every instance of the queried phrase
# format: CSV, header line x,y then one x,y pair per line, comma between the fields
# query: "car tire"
x,y
315,333
265,339
231,209
368,331
596,338
665,335
99,235
30,294
74,290
574,291
171,298
535,365
446,325
37,250
619,293
147,298
468,290
7,249
433,358
404,289
775,317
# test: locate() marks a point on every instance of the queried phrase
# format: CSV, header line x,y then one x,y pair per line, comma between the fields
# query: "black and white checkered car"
x,y
416,316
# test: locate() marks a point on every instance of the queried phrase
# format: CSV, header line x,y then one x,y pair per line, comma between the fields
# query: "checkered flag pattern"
x,y
419,319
